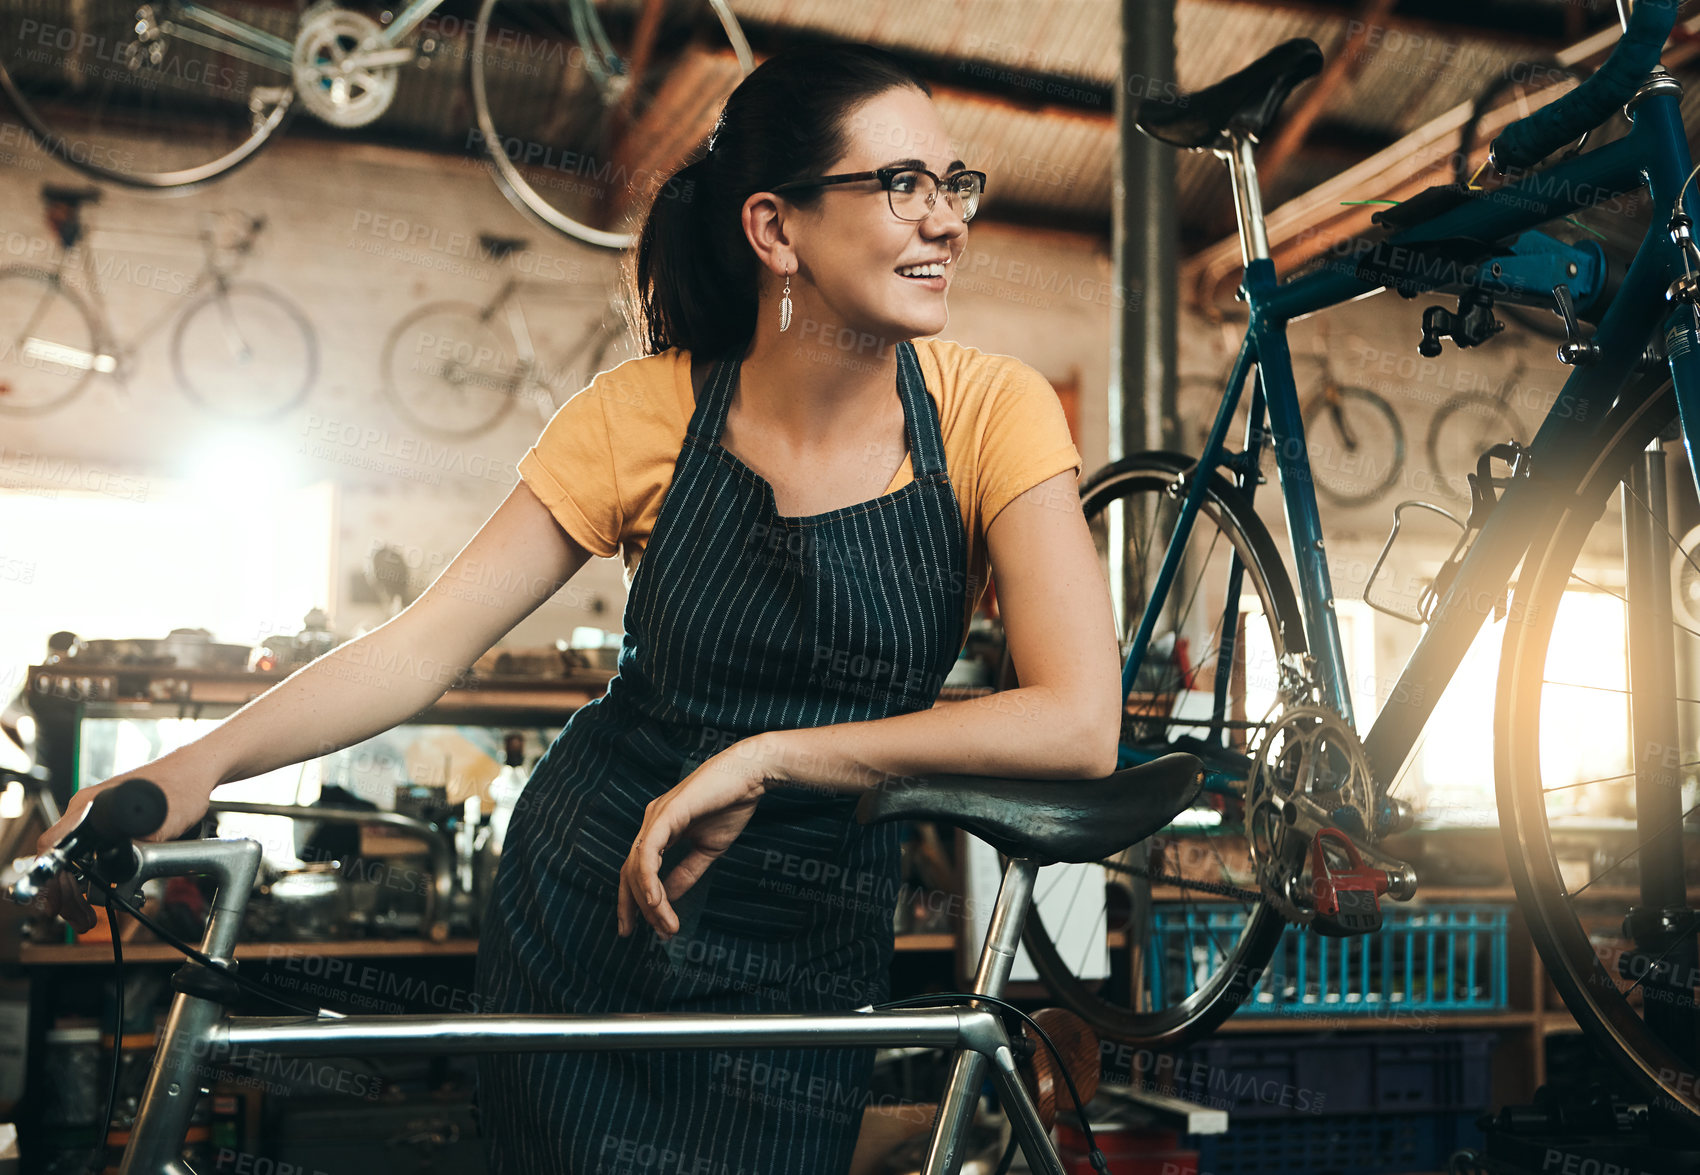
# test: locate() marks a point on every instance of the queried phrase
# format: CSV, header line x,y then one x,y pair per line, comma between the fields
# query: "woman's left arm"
x,y
1063,722
1065,719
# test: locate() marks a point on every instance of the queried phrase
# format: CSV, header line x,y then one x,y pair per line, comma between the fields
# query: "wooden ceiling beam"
x,y
1346,64
1551,36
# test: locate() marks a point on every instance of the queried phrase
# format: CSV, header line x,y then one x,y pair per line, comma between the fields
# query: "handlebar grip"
x,y
119,815
1530,140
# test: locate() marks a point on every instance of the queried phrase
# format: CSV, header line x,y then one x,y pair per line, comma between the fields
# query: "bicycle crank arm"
x,y
1307,818
382,58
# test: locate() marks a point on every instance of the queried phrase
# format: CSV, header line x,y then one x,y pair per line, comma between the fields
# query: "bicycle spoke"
x,y
1610,778
1677,823
1601,588
1604,689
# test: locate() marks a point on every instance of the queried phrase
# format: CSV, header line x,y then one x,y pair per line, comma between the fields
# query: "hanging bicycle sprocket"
x,y
1309,753
332,81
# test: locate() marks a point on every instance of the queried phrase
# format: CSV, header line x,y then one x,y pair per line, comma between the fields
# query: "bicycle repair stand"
x,y
1574,1131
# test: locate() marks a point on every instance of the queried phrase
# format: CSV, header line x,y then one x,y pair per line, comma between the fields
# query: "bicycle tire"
x,y
600,217
201,386
1598,1000
502,375
128,124
1444,465
74,328
1215,998
1339,485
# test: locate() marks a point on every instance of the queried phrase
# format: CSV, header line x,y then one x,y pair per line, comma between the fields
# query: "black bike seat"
x,y
1246,101
499,247
1048,820
72,196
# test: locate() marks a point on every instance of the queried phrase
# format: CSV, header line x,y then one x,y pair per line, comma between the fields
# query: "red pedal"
x,y
1346,899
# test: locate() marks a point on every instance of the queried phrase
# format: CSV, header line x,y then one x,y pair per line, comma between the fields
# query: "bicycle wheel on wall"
x,y
49,344
1356,445
1597,736
451,371
636,90
155,94
1161,975
1464,428
245,351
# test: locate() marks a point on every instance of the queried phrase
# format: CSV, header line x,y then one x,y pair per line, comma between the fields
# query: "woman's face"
x,y
852,245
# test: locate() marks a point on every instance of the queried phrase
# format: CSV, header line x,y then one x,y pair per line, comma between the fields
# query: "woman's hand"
x,y
187,789
707,811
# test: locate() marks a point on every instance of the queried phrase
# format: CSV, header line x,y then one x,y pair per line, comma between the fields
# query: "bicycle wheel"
x,y
245,351
1588,783
636,90
49,343
1173,971
1356,445
149,93
451,371
1464,428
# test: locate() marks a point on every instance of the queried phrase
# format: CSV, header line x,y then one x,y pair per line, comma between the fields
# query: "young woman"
x,y
807,490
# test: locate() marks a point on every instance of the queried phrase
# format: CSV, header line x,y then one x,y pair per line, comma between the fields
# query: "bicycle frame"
x,y
198,1032
1653,154
113,352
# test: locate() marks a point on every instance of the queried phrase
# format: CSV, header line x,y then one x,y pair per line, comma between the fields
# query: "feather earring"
x,y
785,305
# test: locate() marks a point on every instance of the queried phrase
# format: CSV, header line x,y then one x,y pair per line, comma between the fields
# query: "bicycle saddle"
x,y
1246,101
498,248
71,196
1049,820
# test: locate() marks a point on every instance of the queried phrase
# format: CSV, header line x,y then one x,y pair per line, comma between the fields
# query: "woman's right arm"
x,y
518,559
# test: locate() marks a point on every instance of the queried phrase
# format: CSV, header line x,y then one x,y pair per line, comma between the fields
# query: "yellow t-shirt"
x,y
606,458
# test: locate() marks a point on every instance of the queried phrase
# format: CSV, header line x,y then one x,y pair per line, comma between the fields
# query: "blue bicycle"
x,y
1231,658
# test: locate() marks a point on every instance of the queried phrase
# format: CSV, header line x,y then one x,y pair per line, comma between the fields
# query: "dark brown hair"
x,y
693,280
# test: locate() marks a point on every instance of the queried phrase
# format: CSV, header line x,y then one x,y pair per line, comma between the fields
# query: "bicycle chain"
x,y
1220,888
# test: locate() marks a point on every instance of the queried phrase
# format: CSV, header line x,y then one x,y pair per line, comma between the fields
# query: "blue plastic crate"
x,y
1347,1144
1429,958
1352,1073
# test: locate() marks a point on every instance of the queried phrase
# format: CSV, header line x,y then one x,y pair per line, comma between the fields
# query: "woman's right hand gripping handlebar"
x,y
186,781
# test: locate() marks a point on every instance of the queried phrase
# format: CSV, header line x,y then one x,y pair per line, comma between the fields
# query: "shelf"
x,y
1391,1019
55,954
119,691
945,941
59,954
1438,893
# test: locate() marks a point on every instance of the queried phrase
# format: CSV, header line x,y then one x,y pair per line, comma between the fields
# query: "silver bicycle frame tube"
x,y
169,1098
198,1035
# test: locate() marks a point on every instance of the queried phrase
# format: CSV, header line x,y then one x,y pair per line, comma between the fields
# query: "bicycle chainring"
x,y
329,77
1311,751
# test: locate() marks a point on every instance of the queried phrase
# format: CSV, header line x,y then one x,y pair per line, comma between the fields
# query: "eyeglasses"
x,y
911,191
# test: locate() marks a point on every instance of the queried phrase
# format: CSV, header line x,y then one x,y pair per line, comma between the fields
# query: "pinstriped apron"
x,y
739,621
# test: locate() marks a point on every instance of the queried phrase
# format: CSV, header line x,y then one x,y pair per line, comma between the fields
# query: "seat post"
x,y
1003,937
1248,197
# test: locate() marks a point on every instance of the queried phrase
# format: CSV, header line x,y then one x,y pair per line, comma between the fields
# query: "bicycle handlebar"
x,y
105,837
1530,140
